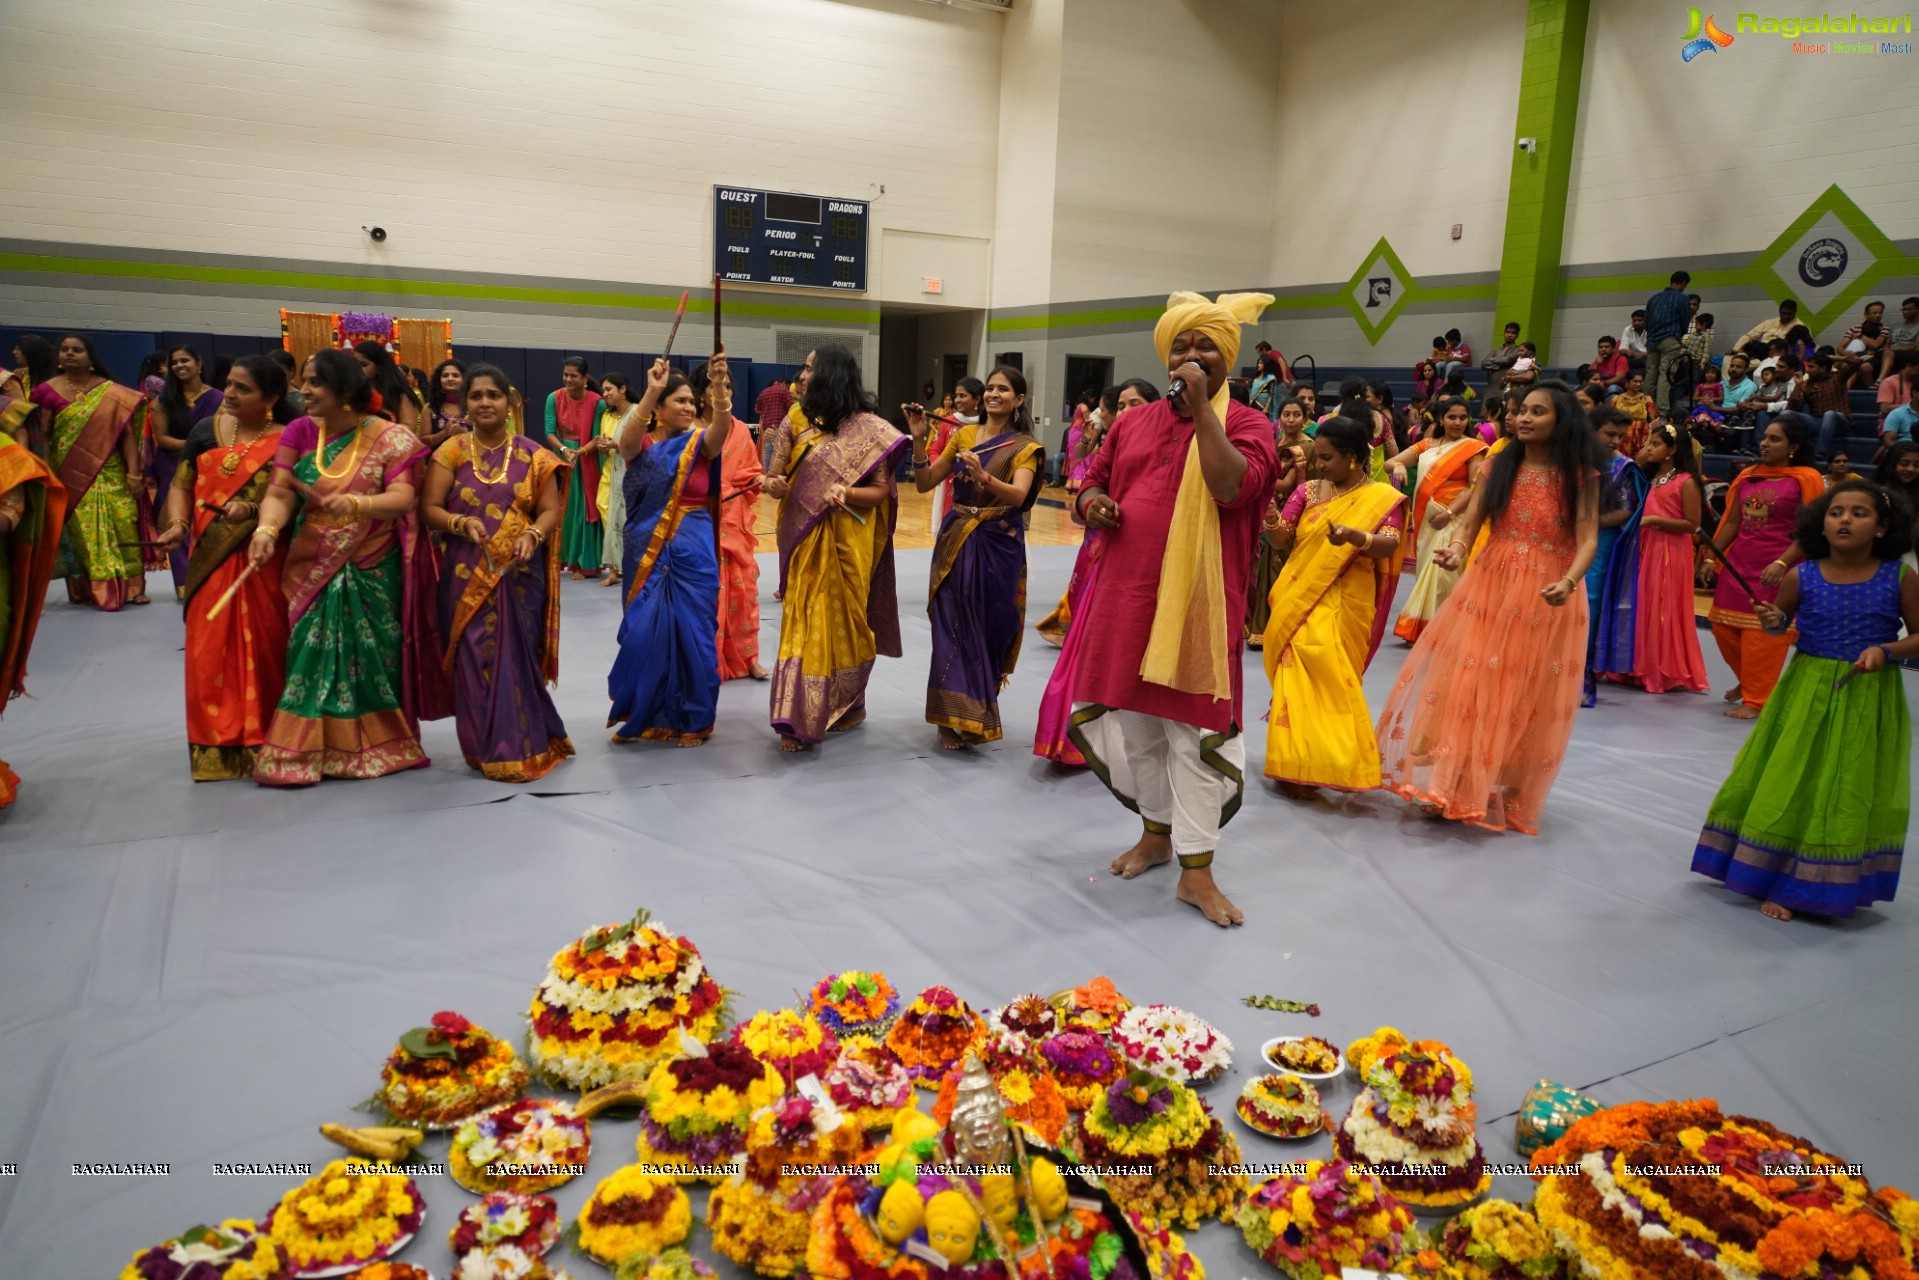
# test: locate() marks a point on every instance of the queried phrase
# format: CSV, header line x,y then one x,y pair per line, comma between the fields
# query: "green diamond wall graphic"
x,y
1825,258
1378,291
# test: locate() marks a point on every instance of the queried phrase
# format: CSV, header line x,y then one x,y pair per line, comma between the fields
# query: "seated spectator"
x,y
1865,353
1775,354
1857,341
1775,390
1839,470
1590,395
1741,401
1637,405
1903,337
1456,386
1425,379
1632,341
1757,340
1821,396
1799,342
1708,418
1461,351
1419,421
1900,422
1502,357
1698,344
1525,370
1608,368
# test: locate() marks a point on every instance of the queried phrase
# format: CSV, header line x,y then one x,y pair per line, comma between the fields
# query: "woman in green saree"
x,y
94,454
363,661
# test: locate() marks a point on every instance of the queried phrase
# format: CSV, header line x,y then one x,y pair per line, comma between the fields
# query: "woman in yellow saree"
x,y
1441,463
839,608
1329,613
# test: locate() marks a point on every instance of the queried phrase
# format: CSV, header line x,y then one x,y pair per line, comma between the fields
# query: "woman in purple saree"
x,y
492,491
977,597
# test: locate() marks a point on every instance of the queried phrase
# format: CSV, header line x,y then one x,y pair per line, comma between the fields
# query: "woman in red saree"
x,y
94,454
1443,474
236,657
739,502
32,506
364,654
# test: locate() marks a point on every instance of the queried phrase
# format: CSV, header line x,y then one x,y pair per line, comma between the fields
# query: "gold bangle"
x,y
270,530
538,534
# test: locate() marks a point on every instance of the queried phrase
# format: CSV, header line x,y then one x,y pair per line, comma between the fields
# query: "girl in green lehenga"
x,y
363,661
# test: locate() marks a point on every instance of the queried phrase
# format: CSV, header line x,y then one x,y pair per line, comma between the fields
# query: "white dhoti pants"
x,y
1181,780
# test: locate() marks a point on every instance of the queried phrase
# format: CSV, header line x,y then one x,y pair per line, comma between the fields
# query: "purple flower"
x,y
1127,1110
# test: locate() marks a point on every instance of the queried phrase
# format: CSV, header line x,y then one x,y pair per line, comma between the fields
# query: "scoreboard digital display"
x,y
777,237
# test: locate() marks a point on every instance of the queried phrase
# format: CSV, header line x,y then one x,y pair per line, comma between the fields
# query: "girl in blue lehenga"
x,y
1610,645
665,683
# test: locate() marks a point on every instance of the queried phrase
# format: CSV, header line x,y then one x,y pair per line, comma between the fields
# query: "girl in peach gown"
x,y
1666,633
1477,723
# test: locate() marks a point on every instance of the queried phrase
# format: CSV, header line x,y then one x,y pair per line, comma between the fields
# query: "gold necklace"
x,y
479,455
352,461
235,446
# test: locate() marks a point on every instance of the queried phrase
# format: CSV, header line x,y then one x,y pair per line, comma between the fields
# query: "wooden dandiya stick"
x,y
719,345
675,331
1699,535
1042,1236
140,543
226,597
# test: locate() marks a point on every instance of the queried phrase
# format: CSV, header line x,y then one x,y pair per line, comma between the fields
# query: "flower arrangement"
x,y
1030,1015
348,1213
1166,1254
1082,1066
507,1219
1171,1042
527,1146
759,1218
795,1045
445,1072
1413,1124
1330,1217
234,1250
1312,1055
504,1263
1095,1007
1362,1053
634,1211
1142,1120
855,1003
673,1264
1281,1106
933,1034
868,1084
1031,1096
1498,1240
392,1271
698,1109
365,326
614,1003
1777,1207
756,1230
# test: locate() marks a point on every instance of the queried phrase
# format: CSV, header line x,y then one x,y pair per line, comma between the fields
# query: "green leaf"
x,y
207,1235
838,990
867,987
1105,1255
427,1042
1277,1005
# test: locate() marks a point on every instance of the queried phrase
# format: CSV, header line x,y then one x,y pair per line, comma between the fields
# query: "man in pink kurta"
x,y
1170,748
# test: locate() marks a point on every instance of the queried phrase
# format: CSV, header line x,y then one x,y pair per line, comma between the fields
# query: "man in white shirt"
x,y
1632,342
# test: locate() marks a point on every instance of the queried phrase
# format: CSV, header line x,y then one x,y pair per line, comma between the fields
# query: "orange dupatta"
x,y
31,551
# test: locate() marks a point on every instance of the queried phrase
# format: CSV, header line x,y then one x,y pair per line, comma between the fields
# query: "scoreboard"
x,y
777,237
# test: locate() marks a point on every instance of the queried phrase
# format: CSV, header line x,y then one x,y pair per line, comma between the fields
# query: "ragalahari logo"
x,y
1702,36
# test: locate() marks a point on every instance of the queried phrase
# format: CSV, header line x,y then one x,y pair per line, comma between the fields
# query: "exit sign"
x,y
932,284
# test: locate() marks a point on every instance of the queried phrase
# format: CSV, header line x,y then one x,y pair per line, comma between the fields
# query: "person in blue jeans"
x,y
1668,317
1821,395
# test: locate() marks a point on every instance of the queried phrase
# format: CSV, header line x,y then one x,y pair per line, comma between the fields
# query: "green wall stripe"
x,y
351,284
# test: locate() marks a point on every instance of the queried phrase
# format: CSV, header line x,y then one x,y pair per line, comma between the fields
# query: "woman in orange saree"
x,y
33,505
236,618
364,654
1442,470
94,454
738,523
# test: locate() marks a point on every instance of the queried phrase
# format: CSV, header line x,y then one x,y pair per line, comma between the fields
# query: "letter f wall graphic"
x,y
1702,36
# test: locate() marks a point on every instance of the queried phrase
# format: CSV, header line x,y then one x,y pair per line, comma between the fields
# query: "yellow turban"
x,y
1191,640
1219,320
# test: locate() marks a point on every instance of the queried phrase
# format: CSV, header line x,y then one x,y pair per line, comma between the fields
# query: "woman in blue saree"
x,y
977,597
665,683
1615,615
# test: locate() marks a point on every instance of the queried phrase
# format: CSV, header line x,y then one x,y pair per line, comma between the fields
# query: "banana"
x,y
621,1093
388,1144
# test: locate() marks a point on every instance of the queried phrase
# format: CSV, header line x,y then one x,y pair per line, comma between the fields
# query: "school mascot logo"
x,y
1702,36
1823,262
1379,291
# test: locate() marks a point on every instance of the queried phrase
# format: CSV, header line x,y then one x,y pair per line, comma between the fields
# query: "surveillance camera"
x,y
1529,145
378,233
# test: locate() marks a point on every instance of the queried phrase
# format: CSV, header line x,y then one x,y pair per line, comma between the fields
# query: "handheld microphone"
x,y
1175,388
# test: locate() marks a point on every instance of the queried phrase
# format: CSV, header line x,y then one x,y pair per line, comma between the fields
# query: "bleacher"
x,y
1860,446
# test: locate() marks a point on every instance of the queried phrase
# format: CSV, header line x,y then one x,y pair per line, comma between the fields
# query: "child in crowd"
x,y
1622,488
1525,370
1698,343
1637,405
1839,470
1419,420
1813,817
1708,420
1774,390
1666,651
1455,385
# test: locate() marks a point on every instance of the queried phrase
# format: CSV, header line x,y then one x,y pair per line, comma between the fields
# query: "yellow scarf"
x,y
1191,639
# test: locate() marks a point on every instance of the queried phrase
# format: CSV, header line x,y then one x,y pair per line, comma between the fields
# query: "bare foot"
x,y
794,744
1742,712
1297,790
1774,911
140,599
578,576
851,720
1196,889
611,580
689,740
757,672
1151,851
1735,693
950,740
